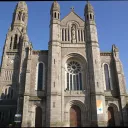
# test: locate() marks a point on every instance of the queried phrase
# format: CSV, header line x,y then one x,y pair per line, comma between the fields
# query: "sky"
x,y
111,20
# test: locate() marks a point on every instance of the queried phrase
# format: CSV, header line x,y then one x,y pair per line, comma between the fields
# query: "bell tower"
x,y
54,105
94,68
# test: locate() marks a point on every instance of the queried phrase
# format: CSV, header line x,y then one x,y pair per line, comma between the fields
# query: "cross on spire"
x,y
72,8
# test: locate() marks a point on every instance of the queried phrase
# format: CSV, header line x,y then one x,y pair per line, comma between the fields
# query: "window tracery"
x,y
74,76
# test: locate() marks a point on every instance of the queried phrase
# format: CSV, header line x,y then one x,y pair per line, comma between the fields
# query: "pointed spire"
x,y
55,6
88,7
20,15
22,5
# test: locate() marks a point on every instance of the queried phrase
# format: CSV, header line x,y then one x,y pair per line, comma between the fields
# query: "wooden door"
x,y
75,116
38,117
111,120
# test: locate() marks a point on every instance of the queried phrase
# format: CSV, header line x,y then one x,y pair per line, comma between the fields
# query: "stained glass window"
x,y
107,80
74,75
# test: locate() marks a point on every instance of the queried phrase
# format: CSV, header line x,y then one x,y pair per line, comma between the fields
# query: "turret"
x,y
20,16
55,11
94,65
55,22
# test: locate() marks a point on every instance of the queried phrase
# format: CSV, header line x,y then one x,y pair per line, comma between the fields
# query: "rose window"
x,y
73,67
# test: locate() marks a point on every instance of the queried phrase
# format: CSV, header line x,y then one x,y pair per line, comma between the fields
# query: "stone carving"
x,y
73,33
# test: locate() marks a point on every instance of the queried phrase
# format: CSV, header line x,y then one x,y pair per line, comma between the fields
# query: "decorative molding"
x,y
110,98
36,52
106,54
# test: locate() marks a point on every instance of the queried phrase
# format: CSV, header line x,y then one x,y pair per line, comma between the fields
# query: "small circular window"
x,y
73,67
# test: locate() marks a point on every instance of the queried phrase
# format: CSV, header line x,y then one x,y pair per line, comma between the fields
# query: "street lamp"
x,y
17,119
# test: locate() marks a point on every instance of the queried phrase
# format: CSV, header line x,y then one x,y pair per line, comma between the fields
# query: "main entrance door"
x,y
111,120
38,117
75,116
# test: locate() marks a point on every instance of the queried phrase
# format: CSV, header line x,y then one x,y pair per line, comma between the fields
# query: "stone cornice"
x,y
111,98
106,54
33,98
43,52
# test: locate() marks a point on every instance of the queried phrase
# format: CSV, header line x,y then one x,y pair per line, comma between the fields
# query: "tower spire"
x,y
20,16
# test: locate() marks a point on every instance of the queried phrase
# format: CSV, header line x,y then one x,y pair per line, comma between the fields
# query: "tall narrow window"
x,y
74,75
65,35
68,35
19,16
40,76
78,35
90,16
15,42
55,14
81,35
62,34
67,81
107,80
58,16
23,17
11,43
84,35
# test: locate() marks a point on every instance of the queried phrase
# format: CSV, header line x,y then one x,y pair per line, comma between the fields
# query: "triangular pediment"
x,y
72,16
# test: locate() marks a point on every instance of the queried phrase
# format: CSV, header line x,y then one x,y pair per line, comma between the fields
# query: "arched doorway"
x,y
111,119
38,117
75,116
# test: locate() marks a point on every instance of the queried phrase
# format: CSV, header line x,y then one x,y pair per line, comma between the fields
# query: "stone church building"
x,y
72,83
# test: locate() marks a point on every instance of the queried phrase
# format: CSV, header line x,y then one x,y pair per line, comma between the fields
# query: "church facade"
x,y
72,83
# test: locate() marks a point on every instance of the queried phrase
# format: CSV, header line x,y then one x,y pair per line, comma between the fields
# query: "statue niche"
x,y
73,33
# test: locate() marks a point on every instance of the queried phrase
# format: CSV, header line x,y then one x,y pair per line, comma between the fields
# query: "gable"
x,y
72,16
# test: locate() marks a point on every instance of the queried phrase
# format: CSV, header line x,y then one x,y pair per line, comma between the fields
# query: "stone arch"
x,y
33,114
38,116
116,114
6,92
78,103
109,69
73,22
79,58
43,79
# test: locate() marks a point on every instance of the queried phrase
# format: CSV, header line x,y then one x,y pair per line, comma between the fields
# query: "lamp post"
x,y
17,120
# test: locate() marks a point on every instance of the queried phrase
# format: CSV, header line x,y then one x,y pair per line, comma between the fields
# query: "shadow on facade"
x,y
12,105
41,94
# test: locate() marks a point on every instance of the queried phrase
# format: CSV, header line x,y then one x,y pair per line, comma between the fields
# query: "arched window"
x,y
65,35
40,76
84,35
107,78
68,35
90,16
23,17
74,76
19,16
15,42
62,34
93,17
11,43
55,15
81,35
58,16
